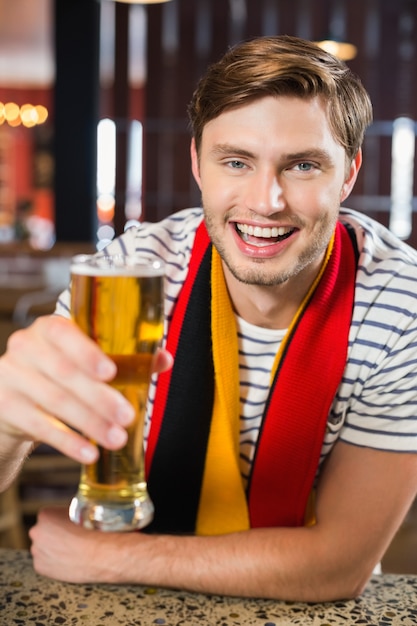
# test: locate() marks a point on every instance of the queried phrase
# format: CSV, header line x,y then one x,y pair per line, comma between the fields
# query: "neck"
x,y
270,306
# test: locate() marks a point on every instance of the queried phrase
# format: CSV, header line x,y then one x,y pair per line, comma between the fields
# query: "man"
x,y
280,445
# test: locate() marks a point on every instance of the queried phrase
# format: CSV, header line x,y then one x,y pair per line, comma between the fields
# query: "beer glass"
x,y
118,302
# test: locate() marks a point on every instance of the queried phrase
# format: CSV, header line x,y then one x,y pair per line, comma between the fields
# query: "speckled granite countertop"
x,y
26,598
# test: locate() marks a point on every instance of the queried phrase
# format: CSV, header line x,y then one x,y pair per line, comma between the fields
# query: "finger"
x,y
55,375
24,420
41,381
163,361
64,336
27,396
63,389
40,426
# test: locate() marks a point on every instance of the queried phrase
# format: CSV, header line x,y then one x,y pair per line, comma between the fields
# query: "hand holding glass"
x,y
118,302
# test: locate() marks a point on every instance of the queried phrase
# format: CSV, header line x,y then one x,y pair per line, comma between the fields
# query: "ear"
x,y
195,166
354,168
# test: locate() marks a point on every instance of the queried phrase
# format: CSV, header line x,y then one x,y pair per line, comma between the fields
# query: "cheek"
x,y
218,196
328,198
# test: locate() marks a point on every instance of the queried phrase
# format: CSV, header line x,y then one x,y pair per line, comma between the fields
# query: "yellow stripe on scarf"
x,y
223,505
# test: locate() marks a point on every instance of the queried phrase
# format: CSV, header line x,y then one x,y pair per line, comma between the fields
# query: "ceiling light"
x,y
341,49
143,1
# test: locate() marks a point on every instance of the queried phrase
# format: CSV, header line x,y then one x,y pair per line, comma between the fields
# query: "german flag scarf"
x,y
192,457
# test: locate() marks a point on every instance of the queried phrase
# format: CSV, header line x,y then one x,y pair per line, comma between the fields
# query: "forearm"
x,y
285,564
361,501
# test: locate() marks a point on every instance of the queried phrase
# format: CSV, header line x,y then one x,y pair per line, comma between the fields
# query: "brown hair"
x,y
283,65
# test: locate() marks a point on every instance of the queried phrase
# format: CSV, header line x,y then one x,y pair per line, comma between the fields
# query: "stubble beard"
x,y
261,272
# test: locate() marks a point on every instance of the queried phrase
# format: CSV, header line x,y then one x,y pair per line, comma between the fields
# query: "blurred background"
x,y
94,132
121,74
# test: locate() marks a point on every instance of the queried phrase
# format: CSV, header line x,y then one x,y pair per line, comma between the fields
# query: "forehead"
x,y
273,120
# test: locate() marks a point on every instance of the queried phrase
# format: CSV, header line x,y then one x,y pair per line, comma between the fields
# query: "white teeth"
x,y
265,233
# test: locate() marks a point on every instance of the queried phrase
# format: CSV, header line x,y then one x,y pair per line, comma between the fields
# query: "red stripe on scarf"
x,y
290,443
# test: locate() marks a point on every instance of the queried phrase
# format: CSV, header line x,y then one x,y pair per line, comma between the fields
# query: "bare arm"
x,y
363,497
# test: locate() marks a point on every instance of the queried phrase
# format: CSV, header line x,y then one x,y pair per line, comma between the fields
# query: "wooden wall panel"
x,y
384,32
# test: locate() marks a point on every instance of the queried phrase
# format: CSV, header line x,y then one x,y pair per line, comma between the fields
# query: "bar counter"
x,y
27,598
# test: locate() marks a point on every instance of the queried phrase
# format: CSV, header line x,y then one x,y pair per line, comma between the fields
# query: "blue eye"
x,y
304,167
236,164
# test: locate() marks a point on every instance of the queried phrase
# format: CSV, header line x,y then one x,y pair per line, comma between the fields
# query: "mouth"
x,y
263,236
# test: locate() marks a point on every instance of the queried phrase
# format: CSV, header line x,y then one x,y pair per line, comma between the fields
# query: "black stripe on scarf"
x,y
174,489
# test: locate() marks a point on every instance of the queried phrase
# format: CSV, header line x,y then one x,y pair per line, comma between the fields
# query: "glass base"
x,y
111,516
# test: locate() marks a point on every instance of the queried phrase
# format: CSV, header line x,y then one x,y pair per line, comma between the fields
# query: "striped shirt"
x,y
376,403
257,350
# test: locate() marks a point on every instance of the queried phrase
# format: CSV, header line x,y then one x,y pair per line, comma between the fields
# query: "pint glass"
x,y
118,302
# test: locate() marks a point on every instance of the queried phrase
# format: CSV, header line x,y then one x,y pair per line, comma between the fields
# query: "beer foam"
x,y
115,265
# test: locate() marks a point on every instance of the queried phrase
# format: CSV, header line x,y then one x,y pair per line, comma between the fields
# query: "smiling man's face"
x,y
272,178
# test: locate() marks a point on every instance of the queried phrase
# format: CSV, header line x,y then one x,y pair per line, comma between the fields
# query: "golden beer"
x,y
118,302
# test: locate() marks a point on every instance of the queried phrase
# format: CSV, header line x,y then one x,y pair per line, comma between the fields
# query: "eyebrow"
x,y
223,149
310,154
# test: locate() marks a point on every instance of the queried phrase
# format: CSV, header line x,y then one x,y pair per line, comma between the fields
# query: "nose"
x,y
264,193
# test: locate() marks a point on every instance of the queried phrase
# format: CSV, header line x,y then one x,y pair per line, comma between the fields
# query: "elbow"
x,y
344,584
355,590
340,586
348,585
343,575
